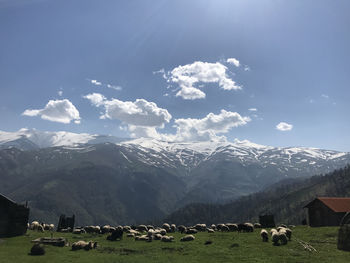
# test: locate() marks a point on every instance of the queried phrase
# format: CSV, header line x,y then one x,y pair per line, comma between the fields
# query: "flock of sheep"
x,y
148,233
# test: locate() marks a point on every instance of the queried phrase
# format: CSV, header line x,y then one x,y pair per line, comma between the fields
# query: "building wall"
x,y
320,215
13,218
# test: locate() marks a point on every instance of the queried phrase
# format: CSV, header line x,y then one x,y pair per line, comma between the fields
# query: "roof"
x,y
337,204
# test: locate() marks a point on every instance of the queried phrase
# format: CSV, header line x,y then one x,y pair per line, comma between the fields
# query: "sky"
x,y
271,72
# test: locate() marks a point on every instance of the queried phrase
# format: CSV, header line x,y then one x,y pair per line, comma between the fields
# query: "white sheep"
x,y
84,245
167,238
264,235
187,238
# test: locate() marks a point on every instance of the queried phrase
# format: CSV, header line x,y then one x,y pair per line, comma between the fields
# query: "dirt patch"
x,y
120,251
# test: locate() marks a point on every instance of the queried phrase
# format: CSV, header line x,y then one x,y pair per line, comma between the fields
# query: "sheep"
x,y
219,226
142,228
150,227
289,233
187,238
79,231
264,235
116,234
210,230
34,225
84,245
136,233
249,227
257,225
166,226
130,235
191,231
167,238
213,226
126,228
157,236
225,228
142,238
275,237
200,227
173,228
105,229
283,238
232,227
181,228
162,231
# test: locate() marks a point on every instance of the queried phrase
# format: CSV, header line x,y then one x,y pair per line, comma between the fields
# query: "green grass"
x,y
226,247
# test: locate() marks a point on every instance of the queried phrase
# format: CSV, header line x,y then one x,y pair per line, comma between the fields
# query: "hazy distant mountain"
x,y
103,179
285,200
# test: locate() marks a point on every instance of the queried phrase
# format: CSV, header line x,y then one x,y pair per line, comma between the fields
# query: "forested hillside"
x,y
284,200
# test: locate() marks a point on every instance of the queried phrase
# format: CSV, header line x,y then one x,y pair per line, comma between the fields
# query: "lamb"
x,y
167,238
84,245
187,238
264,235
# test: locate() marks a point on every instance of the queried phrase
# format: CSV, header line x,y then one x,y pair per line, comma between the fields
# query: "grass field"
x,y
225,247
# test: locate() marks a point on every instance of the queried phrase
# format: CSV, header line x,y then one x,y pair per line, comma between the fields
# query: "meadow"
x,y
225,247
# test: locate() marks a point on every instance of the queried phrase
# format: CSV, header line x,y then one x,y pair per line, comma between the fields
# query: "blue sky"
x,y
293,68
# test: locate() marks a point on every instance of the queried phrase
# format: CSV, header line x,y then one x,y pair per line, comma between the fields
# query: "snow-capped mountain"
x,y
172,173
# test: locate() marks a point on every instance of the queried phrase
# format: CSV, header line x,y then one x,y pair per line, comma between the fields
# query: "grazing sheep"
x,y
264,235
173,228
142,228
130,235
157,236
34,225
283,238
166,226
249,227
191,231
224,228
232,227
213,227
289,233
136,233
200,227
37,249
187,238
84,245
105,229
142,238
219,226
273,230
126,228
283,225
79,231
167,238
210,230
257,225
275,238
150,227
181,228
116,234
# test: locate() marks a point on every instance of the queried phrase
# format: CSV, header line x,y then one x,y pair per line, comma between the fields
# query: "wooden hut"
x,y
13,218
327,211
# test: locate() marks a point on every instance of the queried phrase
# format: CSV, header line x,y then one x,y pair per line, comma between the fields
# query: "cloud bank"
x,y
62,111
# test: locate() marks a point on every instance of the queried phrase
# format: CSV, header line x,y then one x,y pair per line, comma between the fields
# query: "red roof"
x,y
337,204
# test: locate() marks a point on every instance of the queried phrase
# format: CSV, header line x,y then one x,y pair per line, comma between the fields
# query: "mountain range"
x,y
105,179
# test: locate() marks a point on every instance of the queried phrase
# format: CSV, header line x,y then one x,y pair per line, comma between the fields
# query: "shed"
x,y
327,211
13,218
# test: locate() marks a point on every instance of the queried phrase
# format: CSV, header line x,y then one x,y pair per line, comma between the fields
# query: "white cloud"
x,y
208,127
95,82
110,86
56,110
253,109
246,68
60,93
283,126
189,75
325,96
138,113
233,61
